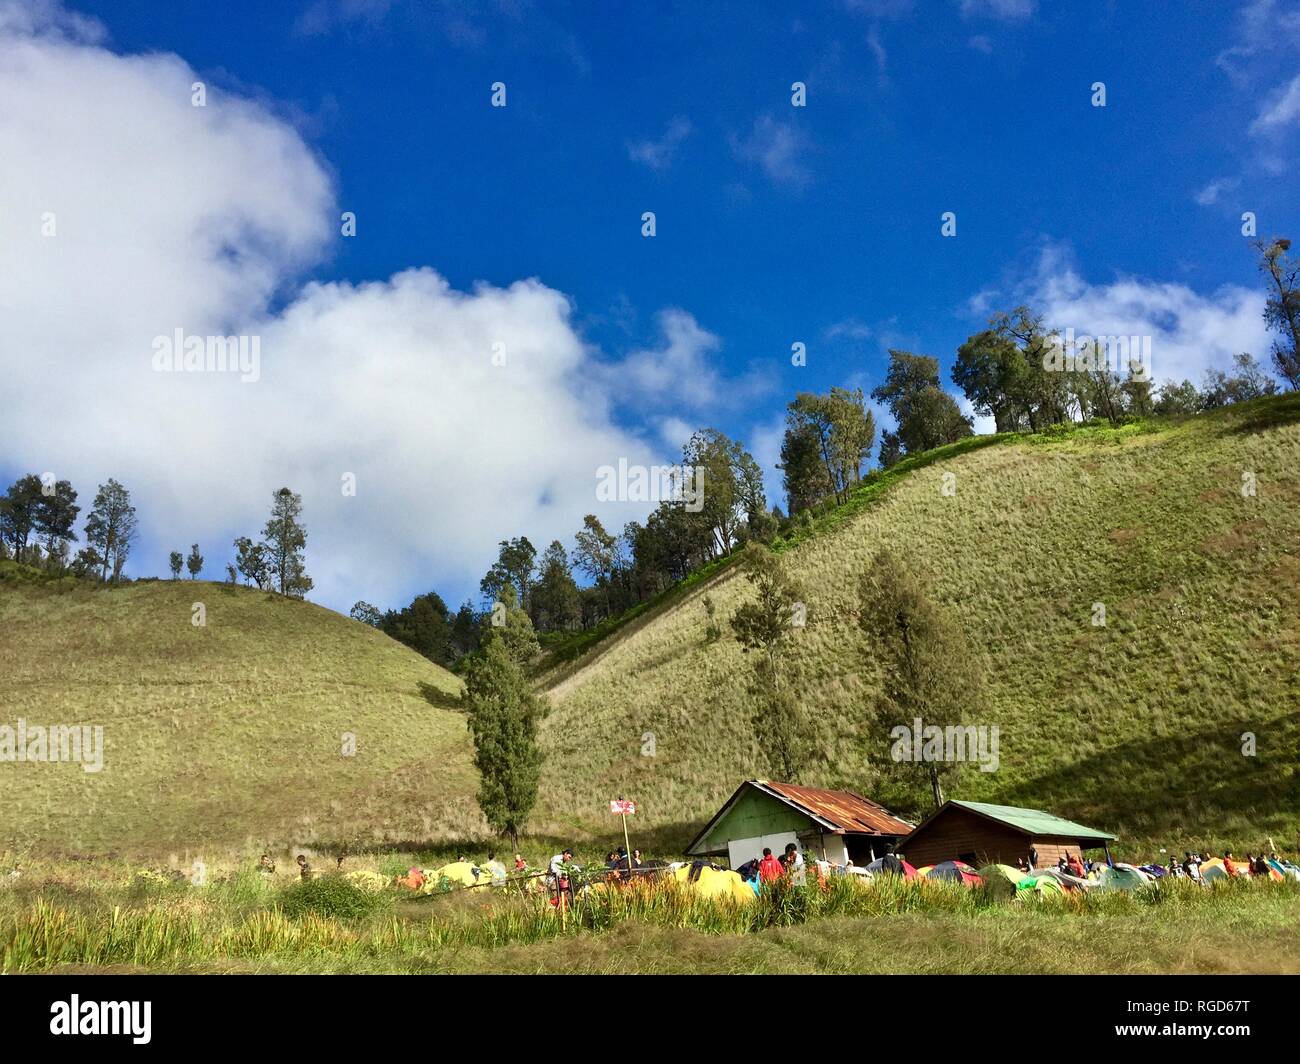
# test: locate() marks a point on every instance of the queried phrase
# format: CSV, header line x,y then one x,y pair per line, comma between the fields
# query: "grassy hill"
x,y
226,734
231,734
1135,726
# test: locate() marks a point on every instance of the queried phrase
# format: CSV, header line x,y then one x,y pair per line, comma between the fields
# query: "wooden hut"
x,y
981,834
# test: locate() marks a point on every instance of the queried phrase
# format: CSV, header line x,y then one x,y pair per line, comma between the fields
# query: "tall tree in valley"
x,y
925,664
765,627
110,528
503,717
1282,310
510,624
286,539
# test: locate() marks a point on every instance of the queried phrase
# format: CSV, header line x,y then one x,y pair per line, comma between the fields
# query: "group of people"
x,y
1255,864
1073,864
1070,864
768,868
618,862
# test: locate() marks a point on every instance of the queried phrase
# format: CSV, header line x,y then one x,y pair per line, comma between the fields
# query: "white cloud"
x,y
778,148
981,43
323,16
1007,10
680,372
1210,193
849,328
169,216
679,367
1190,331
878,52
1281,110
659,154
1265,28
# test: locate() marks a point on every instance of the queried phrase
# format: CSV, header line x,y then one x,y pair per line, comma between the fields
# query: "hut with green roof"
x,y
982,834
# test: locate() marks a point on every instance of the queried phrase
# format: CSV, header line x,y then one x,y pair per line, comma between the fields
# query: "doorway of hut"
x,y
865,849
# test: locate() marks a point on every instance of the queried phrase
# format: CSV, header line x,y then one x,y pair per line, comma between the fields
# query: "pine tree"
x,y
194,563
503,719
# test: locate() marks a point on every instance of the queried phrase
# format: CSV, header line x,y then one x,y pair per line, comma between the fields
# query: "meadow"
x,y
1137,726
227,734
226,738
114,919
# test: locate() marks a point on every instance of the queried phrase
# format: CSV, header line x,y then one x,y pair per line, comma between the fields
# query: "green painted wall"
x,y
754,814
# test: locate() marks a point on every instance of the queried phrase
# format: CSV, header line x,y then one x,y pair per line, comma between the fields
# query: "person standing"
x,y
794,864
769,868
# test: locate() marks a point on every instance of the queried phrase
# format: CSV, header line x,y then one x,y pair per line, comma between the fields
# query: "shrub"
x,y
327,896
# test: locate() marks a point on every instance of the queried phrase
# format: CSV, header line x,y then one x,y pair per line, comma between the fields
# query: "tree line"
x,y
38,517
1005,371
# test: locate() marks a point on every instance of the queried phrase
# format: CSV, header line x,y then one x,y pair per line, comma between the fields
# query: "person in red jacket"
x,y
1076,867
769,868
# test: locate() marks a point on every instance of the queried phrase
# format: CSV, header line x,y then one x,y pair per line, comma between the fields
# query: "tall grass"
x,y
185,930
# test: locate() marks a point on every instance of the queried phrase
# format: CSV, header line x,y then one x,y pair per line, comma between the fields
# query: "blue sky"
x,y
775,223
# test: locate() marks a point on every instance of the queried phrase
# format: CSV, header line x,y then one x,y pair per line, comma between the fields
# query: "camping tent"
x,y
1123,877
458,873
1002,879
955,872
714,883
1042,885
1213,869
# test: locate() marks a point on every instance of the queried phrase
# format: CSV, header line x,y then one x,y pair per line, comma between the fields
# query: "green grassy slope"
x,y
1134,726
228,734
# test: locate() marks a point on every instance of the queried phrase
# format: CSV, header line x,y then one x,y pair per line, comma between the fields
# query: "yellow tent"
x,y
458,873
715,883
365,879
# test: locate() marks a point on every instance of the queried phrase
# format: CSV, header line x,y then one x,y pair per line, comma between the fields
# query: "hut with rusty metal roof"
x,y
838,826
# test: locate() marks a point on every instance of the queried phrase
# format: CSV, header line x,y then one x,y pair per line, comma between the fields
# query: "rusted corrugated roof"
x,y
844,810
